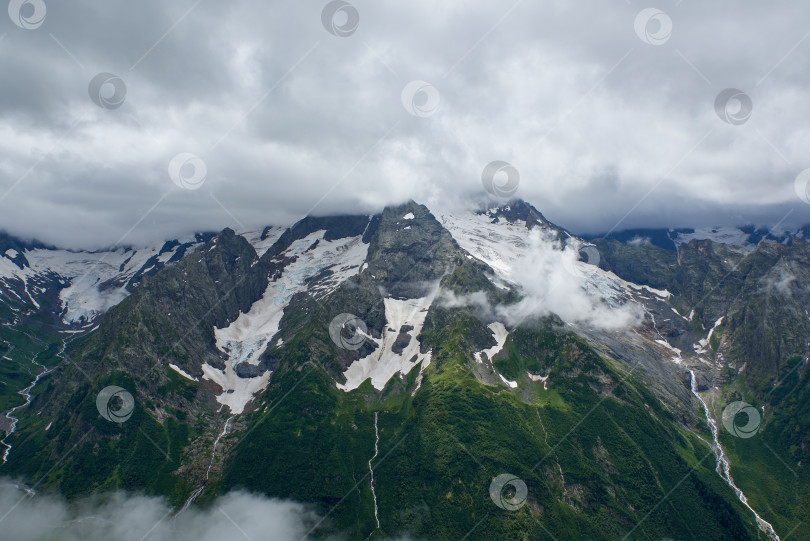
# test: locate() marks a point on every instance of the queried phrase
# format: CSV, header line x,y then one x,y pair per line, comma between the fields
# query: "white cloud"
x,y
780,278
131,517
553,281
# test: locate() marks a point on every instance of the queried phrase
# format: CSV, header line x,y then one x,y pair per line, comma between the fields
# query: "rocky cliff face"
x,y
761,296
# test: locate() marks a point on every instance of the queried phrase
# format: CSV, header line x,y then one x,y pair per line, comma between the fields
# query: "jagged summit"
x,y
409,249
520,211
514,210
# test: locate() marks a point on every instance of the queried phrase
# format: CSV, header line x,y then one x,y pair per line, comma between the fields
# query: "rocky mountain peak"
x,y
409,249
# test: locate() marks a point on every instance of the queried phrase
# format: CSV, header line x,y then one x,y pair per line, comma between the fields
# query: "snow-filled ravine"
x,y
248,337
382,364
500,333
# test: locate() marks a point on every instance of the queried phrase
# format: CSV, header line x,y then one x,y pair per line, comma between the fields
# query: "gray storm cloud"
x,y
607,129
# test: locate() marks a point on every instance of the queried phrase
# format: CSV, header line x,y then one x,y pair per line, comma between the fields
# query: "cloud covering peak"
x,y
610,115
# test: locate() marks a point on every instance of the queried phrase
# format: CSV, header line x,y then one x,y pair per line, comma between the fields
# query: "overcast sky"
x,y
607,112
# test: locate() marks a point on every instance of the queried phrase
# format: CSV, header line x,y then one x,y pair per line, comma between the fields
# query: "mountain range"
x,y
485,374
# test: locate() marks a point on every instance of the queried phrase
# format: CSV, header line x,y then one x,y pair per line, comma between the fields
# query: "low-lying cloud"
x,y
780,279
125,517
552,280
132,517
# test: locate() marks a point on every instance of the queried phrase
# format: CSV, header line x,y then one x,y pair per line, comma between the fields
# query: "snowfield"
x,y
500,333
182,372
86,272
723,235
237,392
501,245
255,238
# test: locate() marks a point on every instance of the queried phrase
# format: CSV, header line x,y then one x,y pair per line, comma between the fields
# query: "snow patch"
x,y
538,377
500,333
721,235
238,392
262,245
663,293
668,346
382,364
704,344
182,372
512,384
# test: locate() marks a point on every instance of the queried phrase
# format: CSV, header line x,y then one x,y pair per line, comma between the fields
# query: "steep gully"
x,y
723,465
196,492
556,458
